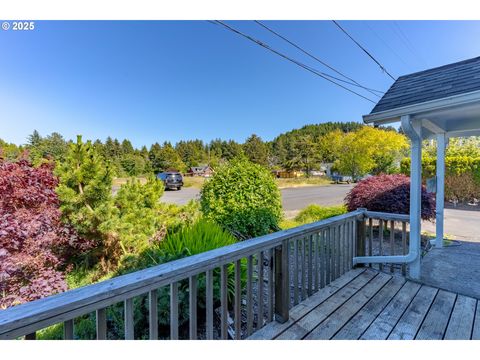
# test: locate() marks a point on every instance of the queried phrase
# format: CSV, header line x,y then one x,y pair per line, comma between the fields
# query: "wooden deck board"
x,y
476,324
436,321
307,323
328,328
368,304
461,322
362,320
274,328
412,319
388,318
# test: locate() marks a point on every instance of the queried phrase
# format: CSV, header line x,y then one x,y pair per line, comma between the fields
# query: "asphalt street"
x,y
292,198
459,224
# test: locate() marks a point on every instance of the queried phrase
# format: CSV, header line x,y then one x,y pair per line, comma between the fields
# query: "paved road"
x,y
460,224
292,198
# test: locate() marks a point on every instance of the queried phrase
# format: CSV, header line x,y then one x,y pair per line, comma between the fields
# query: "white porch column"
x,y
414,131
440,196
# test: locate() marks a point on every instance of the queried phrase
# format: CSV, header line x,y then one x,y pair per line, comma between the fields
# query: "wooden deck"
x,y
368,304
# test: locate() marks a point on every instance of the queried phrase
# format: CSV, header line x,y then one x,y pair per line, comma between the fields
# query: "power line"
x,y
387,45
408,43
364,50
308,68
370,90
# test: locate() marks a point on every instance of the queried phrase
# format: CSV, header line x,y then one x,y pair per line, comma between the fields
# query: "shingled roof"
x,y
432,84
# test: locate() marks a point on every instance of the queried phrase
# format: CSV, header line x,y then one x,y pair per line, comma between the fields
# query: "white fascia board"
x,y
393,115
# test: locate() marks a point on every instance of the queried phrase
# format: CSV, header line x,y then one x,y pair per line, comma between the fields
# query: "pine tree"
x,y
256,150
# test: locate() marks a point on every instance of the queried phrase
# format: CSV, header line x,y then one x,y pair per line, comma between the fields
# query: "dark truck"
x,y
171,180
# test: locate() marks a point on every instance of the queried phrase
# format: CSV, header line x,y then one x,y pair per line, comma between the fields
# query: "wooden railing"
x,y
381,234
268,275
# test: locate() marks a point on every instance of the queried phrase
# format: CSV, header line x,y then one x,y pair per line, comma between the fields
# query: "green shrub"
x,y
243,198
462,175
190,240
315,212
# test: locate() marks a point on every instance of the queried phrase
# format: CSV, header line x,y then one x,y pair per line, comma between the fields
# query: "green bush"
x,y
243,198
462,175
315,212
190,240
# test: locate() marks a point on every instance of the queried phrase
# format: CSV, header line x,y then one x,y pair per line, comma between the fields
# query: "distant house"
x,y
287,174
203,170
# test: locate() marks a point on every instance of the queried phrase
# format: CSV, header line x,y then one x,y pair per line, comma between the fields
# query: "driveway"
x,y
293,199
459,224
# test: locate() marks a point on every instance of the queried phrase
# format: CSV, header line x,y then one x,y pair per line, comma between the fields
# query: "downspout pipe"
x,y
415,206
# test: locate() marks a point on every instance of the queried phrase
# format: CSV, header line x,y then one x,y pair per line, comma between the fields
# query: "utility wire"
x,y
321,72
364,50
407,66
308,68
370,90
408,43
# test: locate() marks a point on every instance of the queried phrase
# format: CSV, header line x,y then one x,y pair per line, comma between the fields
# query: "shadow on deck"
x,y
368,304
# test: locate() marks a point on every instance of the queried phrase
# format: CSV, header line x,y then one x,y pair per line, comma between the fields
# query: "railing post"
x,y
361,235
282,283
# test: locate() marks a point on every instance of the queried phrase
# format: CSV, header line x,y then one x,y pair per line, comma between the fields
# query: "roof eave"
x,y
394,115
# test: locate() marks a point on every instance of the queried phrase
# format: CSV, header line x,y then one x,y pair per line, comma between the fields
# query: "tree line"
x,y
349,145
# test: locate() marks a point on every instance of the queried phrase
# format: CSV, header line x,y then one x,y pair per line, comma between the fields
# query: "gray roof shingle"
x,y
432,84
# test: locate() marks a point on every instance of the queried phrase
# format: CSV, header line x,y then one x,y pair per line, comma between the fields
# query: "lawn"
x,y
298,182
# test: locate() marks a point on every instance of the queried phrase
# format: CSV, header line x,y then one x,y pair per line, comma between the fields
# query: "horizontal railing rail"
x,y
383,238
271,274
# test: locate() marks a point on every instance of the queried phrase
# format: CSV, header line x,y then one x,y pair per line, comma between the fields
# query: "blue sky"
x,y
172,80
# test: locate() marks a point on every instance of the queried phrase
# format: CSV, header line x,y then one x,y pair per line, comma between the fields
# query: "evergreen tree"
x,y
126,147
256,150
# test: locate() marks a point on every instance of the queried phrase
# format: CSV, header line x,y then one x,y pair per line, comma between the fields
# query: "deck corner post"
x,y
361,235
282,283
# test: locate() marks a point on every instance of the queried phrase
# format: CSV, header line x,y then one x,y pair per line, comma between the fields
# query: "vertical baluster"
x,y
238,300
404,246
322,258
129,324
295,271
209,304
31,336
352,241
260,290
392,241
380,240
346,238
328,254
338,250
192,310
271,285
224,301
249,295
304,271
310,265
370,239
153,314
342,248
101,324
282,282
316,257
174,311
68,330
